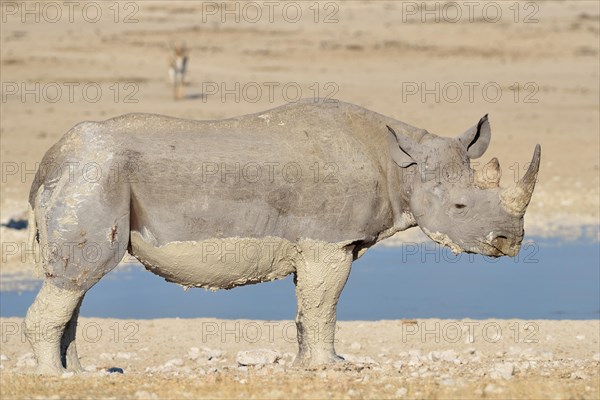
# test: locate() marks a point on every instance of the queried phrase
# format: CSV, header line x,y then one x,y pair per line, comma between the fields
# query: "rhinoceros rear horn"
x,y
516,198
489,176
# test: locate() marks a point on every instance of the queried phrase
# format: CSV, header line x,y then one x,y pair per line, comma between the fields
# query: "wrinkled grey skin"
x,y
335,179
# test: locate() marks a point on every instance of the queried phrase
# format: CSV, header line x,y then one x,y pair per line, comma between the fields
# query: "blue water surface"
x,y
547,280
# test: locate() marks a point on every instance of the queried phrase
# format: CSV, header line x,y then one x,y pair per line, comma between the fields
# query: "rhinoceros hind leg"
x,y
45,324
319,283
68,348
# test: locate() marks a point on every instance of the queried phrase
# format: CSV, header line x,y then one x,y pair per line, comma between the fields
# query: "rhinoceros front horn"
x,y
515,199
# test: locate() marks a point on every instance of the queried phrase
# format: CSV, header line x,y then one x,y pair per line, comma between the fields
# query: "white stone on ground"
x,y
205,354
490,388
175,362
503,370
143,395
257,357
578,375
355,346
26,360
446,355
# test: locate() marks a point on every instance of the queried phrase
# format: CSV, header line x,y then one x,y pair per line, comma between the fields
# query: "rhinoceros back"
x,y
299,171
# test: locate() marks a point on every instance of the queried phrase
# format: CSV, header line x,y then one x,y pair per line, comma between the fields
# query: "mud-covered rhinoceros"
x,y
301,189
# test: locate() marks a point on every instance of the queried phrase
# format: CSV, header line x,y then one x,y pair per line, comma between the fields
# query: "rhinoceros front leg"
x,y
319,281
45,324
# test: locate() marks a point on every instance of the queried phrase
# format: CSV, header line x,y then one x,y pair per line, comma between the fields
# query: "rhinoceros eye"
x,y
459,206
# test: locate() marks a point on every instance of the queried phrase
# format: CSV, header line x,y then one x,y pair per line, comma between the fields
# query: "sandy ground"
x,y
428,358
381,55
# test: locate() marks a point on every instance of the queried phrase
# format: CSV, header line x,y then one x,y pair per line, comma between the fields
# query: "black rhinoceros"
x,y
301,189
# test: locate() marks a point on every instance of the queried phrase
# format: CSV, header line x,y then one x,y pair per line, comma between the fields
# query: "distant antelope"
x,y
178,68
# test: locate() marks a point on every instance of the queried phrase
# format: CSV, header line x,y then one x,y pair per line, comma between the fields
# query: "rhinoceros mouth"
x,y
444,240
491,250
488,249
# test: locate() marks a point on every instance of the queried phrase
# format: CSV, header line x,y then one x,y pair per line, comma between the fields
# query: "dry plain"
x,y
535,70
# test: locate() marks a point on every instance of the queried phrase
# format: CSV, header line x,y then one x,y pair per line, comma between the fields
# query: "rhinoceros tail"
x,y
32,227
33,242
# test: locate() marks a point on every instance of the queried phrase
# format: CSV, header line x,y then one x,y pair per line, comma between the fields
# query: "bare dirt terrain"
x,y
194,358
534,68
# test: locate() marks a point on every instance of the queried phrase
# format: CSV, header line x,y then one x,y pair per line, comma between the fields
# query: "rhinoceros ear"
x,y
402,149
477,139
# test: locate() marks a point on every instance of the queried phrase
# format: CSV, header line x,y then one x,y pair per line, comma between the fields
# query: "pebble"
x,y
125,356
490,388
288,357
26,360
448,382
4,358
470,350
143,395
115,370
502,371
414,361
414,353
446,355
205,354
578,375
398,365
175,362
213,354
193,353
477,357
257,357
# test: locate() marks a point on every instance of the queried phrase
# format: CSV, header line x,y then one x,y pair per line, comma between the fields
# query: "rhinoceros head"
x,y
457,206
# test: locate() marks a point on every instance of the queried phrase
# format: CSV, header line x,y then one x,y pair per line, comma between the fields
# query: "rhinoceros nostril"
x,y
504,244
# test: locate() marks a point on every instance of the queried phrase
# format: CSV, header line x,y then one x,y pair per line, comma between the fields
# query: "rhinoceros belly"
x,y
217,263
